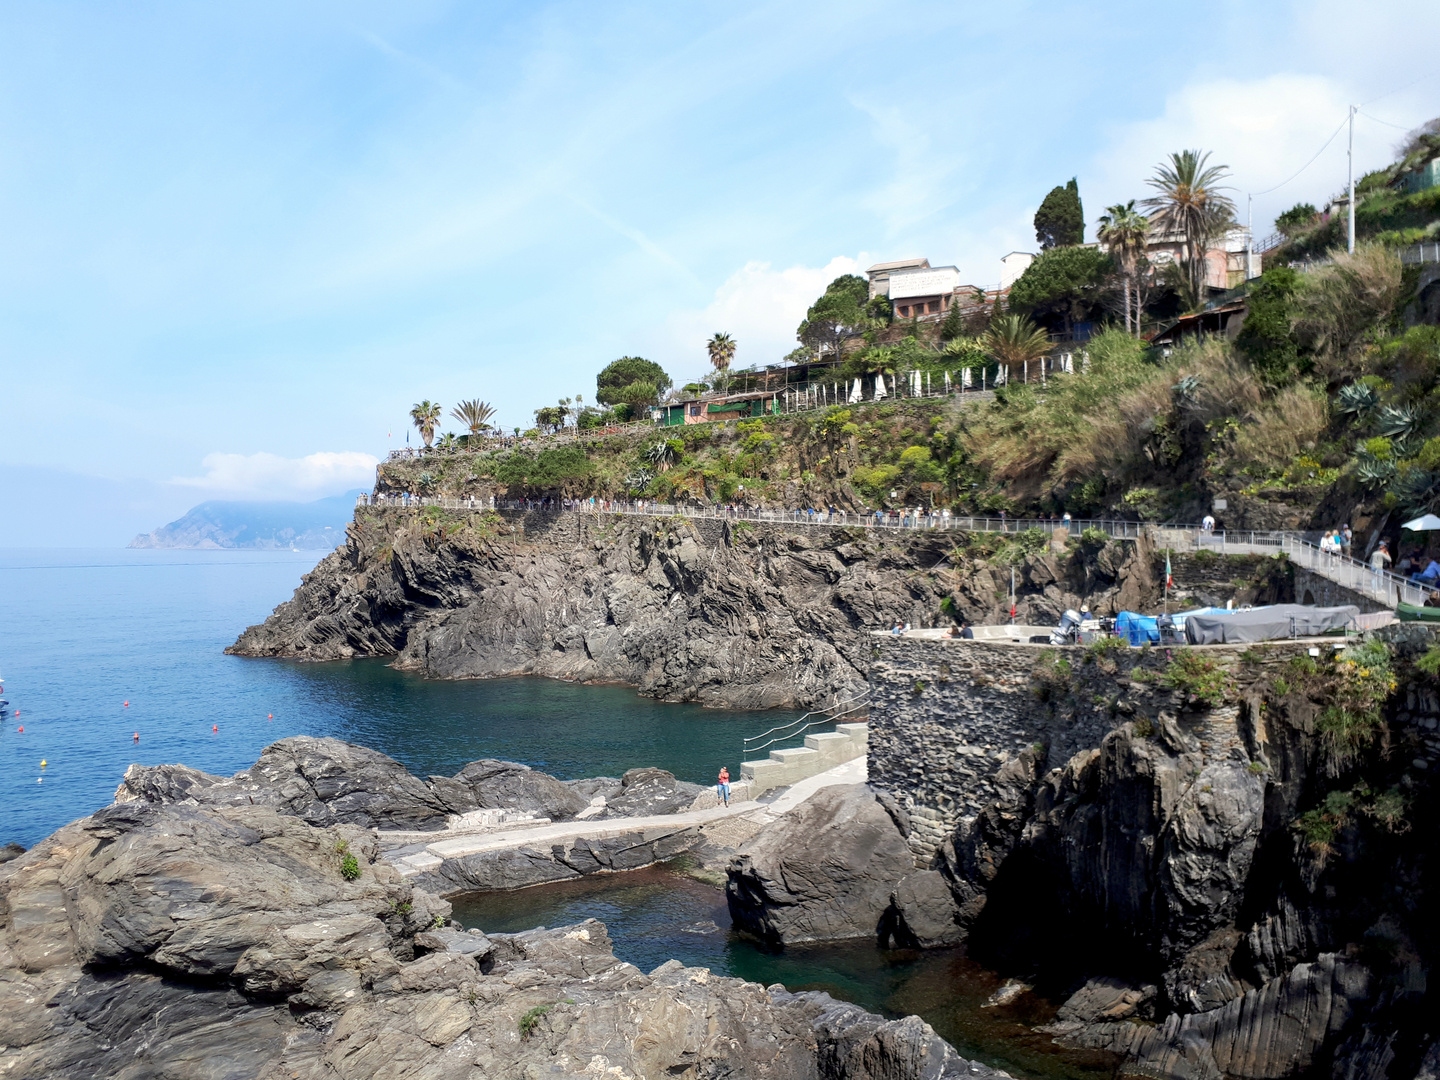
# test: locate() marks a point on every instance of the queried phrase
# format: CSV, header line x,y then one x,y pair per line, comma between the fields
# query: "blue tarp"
x,y
1136,628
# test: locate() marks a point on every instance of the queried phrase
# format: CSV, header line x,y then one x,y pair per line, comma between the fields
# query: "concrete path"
x,y
758,810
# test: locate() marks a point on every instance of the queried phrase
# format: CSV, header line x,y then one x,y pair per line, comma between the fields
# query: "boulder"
x,y
924,914
825,871
323,781
507,785
651,791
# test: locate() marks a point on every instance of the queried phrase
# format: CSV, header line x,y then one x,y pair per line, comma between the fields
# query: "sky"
x,y
239,241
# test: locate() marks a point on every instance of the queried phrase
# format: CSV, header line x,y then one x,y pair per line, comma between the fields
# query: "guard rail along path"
x,y
1380,586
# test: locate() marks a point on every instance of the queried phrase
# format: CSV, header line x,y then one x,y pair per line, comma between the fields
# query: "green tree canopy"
x,y
1063,286
1060,221
631,380
1298,216
838,316
1268,336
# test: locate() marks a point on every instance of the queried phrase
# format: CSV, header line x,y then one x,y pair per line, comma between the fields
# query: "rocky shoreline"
x,y
248,926
724,613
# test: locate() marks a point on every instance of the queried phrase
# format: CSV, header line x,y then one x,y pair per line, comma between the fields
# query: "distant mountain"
x,y
252,525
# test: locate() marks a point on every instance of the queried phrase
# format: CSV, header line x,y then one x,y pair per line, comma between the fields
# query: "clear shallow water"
x,y
659,913
81,632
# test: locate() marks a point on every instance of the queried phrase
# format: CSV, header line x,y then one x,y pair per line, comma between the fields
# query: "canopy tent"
x,y
1428,523
1266,623
1137,629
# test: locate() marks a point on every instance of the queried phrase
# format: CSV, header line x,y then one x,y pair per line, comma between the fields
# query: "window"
x,y
694,410
905,312
932,307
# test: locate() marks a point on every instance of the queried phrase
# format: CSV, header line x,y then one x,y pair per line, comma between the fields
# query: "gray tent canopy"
x,y
1267,623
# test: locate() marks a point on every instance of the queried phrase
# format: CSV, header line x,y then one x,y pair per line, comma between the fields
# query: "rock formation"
x,y
191,941
327,781
739,614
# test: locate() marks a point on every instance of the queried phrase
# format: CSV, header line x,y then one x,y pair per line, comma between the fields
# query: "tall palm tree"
x,y
1013,340
475,414
721,348
425,415
1123,231
1190,204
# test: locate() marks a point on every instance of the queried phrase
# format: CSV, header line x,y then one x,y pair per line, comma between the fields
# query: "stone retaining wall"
x,y
945,715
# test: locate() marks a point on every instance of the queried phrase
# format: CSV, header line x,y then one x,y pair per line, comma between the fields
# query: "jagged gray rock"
x,y
924,912
825,871
755,616
196,942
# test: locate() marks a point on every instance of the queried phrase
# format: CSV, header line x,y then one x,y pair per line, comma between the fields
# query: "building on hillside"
x,y
1012,266
879,274
1225,263
704,410
923,291
1421,177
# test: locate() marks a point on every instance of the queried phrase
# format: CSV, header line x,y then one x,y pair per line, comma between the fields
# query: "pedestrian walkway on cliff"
x,y
1364,579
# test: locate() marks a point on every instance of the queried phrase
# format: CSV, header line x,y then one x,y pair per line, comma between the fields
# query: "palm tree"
x,y
1123,231
1190,205
426,415
721,348
475,415
1013,340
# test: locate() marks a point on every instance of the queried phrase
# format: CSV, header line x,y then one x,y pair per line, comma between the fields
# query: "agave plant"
x,y
1399,421
1373,471
1417,490
639,480
1358,400
660,454
1183,392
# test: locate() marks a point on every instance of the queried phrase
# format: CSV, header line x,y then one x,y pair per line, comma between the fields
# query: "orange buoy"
x,y
127,704
270,716
214,727
137,736
22,729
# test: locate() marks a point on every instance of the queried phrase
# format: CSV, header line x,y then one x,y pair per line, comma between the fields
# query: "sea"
x,y
116,657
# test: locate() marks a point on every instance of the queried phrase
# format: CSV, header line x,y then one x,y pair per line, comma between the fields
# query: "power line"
x,y
1398,89
1387,123
1307,165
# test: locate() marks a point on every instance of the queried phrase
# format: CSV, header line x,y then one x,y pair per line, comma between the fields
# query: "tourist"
x,y
965,631
722,787
1347,538
1207,524
1380,560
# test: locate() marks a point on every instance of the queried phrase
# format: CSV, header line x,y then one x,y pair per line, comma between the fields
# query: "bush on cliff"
x,y
1202,680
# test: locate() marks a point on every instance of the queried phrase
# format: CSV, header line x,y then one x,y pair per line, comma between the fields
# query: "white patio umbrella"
x,y
1428,523
857,394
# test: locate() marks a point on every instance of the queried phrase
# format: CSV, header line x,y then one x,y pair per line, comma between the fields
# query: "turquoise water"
x,y
659,913
82,632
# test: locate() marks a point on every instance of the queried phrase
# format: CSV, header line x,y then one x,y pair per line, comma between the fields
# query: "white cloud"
x,y
758,306
272,477
1264,129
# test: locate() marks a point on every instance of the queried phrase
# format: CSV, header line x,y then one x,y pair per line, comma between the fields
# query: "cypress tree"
x,y
1060,221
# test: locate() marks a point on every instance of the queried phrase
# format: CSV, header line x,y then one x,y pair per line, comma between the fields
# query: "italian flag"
x,y
1169,580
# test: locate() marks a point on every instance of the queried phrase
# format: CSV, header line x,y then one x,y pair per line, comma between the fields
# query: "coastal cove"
x,y
86,631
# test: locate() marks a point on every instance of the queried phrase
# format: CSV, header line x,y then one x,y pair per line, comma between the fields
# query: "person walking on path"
x,y
722,786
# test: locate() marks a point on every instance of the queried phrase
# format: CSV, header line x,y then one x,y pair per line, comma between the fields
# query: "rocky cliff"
x,y
245,927
726,613
1234,878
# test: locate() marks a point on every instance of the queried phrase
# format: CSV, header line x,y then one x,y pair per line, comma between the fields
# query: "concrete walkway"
x,y
760,811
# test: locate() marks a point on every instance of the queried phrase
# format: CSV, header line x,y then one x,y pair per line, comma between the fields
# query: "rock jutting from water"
x,y
725,613
238,940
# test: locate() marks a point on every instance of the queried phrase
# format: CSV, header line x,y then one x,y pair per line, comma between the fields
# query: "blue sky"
x,y
238,241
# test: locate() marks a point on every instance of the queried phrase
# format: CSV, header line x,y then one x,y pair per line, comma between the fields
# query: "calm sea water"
x,y
83,632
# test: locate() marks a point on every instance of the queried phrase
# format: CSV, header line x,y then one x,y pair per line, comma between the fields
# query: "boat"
x,y
1417,613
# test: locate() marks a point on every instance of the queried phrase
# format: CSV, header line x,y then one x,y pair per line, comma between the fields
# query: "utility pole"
x,y
1249,236
1350,247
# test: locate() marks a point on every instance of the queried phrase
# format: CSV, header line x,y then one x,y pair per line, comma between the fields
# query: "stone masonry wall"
x,y
945,715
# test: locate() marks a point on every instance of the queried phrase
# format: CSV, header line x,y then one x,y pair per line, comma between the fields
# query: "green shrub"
x,y
1430,662
1090,536
531,1018
1389,809
1144,727
1052,676
1201,680
1257,767
1361,683
1101,648
349,867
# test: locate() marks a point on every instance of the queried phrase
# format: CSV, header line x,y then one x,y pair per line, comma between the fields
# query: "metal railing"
x,y
1382,586
844,710
1421,253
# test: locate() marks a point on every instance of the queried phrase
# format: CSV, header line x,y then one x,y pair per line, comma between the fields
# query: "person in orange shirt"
x,y
722,787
